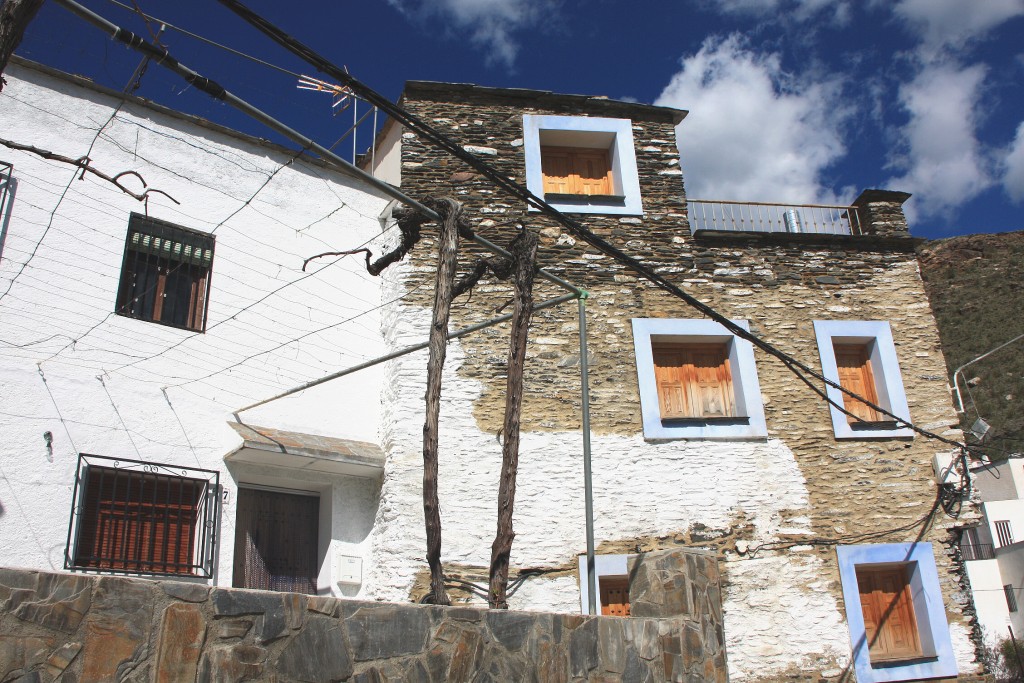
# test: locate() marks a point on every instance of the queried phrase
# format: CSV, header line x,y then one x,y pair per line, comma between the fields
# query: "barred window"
x,y
165,275
142,518
1011,597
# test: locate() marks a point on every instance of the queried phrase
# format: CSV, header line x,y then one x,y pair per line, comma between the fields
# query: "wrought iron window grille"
x,y
165,274
134,517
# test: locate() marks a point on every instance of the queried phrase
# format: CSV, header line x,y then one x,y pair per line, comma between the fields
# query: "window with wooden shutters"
x,y
860,356
694,381
576,171
853,362
582,164
896,612
140,518
697,380
888,607
614,591
165,275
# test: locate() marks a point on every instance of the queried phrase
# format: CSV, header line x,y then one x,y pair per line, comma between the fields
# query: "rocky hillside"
x,y
976,286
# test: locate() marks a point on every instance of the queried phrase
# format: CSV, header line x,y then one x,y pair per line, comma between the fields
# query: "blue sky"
x,y
800,101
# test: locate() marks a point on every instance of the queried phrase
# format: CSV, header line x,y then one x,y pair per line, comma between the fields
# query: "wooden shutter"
x,y
890,624
572,170
556,165
138,522
614,595
694,381
165,273
592,172
276,541
855,374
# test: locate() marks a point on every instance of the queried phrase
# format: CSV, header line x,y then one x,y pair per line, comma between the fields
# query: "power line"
x,y
414,123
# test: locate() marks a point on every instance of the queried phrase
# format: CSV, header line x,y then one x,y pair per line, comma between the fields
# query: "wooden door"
x,y
276,541
889,620
854,365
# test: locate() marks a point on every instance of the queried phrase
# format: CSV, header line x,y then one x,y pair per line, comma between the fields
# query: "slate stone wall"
x,y
94,629
881,489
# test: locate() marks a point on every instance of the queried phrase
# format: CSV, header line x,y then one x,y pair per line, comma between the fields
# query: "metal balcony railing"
x,y
977,551
817,219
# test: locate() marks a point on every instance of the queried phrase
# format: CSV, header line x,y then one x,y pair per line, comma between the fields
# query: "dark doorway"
x,y
276,541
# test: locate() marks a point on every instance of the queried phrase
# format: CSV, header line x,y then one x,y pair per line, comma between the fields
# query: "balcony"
x,y
977,551
756,217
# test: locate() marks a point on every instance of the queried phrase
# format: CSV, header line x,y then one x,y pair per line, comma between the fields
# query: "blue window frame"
x,y
876,337
936,659
612,135
748,422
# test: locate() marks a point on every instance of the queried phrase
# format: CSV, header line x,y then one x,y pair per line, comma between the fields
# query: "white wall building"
x,y
993,552
133,330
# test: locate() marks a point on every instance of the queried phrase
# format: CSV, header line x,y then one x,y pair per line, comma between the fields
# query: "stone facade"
x,y
95,629
773,509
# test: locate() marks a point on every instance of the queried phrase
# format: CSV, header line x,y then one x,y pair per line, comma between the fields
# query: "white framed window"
x,y
582,164
697,380
895,612
859,355
612,581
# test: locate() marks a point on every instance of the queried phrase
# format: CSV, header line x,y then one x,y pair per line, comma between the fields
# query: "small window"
x,y
582,164
859,355
697,381
1004,532
889,621
140,518
611,576
1011,597
895,612
614,592
165,276
694,381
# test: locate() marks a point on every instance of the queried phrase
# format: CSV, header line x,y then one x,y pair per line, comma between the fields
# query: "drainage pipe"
x,y
588,488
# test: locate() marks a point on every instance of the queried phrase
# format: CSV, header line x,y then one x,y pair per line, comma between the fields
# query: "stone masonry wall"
x,y
774,525
96,629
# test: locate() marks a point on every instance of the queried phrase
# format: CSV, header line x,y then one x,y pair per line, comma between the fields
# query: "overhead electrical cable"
x,y
446,143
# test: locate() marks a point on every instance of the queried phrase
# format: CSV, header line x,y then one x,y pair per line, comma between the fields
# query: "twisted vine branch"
x,y
85,163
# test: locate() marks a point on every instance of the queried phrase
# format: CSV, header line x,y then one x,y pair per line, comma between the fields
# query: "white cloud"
x,y
952,23
800,10
943,162
1013,178
490,24
754,133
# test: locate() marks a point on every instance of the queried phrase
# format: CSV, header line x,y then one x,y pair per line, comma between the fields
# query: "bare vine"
x,y
85,163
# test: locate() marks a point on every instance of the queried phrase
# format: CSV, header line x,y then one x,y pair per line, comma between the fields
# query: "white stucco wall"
x,y
114,386
640,489
989,600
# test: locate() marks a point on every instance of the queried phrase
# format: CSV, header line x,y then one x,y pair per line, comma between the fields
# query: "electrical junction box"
x,y
350,569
